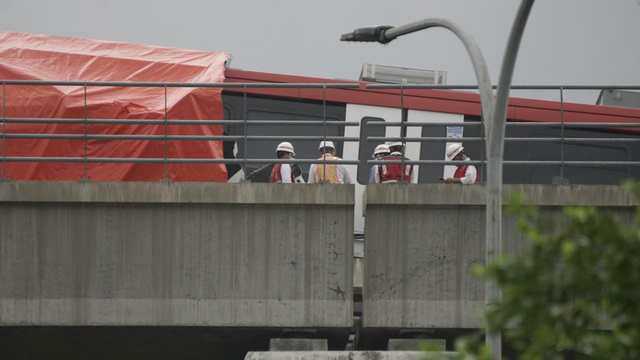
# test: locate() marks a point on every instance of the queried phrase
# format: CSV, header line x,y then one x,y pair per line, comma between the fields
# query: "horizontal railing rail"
x,y
183,85
513,87
512,139
179,137
178,160
508,162
178,122
511,124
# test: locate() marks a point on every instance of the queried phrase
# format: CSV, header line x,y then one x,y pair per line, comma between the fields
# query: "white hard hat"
x,y
326,144
453,150
285,146
381,149
395,143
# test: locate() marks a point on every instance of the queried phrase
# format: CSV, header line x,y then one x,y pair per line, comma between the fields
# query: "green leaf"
x,y
568,248
579,267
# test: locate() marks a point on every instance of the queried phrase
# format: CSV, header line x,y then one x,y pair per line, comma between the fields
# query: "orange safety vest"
x,y
395,172
461,171
331,171
277,177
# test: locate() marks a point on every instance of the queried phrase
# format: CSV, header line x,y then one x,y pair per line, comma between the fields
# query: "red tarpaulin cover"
x,y
54,58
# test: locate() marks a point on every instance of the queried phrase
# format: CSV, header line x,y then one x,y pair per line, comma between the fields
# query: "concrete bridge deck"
x,y
261,259
422,241
197,270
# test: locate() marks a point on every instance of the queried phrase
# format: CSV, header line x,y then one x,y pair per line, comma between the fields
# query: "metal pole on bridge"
x,y
493,108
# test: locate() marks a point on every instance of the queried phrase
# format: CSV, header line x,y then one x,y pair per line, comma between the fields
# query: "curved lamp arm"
x,y
480,68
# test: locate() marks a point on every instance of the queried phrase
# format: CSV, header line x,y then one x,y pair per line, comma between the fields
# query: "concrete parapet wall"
x,y
177,254
542,195
175,193
421,242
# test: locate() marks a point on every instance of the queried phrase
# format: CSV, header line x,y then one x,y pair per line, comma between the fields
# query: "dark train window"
x,y
366,147
273,109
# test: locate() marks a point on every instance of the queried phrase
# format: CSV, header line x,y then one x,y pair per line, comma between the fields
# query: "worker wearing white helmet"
x,y
465,174
282,173
379,153
393,173
396,146
333,173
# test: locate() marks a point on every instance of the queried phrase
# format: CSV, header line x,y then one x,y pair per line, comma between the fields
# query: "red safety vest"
x,y
461,171
277,177
394,172
330,171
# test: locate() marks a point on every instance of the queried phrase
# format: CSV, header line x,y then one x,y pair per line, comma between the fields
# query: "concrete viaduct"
x,y
215,270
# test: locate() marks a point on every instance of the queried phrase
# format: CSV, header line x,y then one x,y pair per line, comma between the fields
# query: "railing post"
x,y
324,126
561,135
165,177
403,130
4,132
244,144
482,146
84,176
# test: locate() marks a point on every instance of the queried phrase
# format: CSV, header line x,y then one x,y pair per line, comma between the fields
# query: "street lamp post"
x,y
494,109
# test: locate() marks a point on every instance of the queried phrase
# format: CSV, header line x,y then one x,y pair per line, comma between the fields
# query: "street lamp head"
x,y
368,34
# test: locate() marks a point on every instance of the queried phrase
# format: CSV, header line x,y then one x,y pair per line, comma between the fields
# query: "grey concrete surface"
x,y
180,254
349,355
422,241
416,344
298,345
175,193
543,195
358,264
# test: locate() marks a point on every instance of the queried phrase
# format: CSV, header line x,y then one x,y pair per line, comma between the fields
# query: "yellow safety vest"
x,y
331,171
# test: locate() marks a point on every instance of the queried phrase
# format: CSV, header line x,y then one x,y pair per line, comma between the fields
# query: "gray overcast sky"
x,y
566,41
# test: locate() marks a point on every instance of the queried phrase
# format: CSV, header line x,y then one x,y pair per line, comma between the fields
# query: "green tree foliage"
x,y
573,279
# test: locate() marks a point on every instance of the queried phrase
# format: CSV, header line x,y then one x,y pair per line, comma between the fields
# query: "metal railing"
x,y
245,123
562,140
